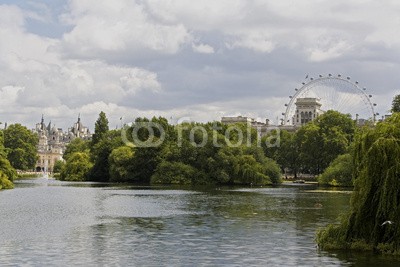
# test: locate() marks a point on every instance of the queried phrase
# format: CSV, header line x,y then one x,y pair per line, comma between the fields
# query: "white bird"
x,y
387,222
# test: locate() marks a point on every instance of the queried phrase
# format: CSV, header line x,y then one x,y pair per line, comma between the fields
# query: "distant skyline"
x,y
178,58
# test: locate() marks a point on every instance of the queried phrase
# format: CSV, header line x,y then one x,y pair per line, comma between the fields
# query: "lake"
x,y
54,223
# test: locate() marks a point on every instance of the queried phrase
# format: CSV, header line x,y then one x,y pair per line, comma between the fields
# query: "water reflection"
x,y
60,223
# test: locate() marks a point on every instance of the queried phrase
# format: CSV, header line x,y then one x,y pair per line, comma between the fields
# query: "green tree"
x,y
286,154
58,165
396,104
100,154
147,158
100,129
342,122
322,140
76,145
21,146
7,172
375,198
120,161
173,173
4,182
76,168
7,169
311,145
339,172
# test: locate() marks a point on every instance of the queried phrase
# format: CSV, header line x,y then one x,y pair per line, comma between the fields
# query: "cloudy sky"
x,y
180,58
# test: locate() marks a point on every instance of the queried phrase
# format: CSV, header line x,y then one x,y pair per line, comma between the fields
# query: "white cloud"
x,y
203,49
145,57
35,78
8,95
256,43
331,50
122,27
12,17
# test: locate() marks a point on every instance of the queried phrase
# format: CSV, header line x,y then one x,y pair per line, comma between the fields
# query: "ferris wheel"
x,y
336,93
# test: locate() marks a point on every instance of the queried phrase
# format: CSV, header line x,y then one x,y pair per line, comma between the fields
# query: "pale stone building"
x,y
262,127
53,141
307,109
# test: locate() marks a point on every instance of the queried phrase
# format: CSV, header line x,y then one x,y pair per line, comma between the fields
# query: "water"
x,y
48,222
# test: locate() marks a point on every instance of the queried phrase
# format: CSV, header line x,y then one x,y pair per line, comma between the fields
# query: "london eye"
x,y
334,93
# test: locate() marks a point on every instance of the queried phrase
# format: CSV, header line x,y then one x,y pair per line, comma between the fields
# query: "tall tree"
x,y
396,104
322,140
100,153
100,129
21,146
286,154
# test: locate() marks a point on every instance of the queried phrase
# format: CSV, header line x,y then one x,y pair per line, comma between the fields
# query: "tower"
x,y
307,109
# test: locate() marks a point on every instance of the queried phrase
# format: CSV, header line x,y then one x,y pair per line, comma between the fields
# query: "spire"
x,y
42,126
79,122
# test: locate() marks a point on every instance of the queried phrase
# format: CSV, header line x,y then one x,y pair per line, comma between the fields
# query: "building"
x,y
262,128
236,119
307,109
53,141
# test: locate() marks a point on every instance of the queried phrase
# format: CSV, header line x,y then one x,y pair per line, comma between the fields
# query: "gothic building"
x,y
53,141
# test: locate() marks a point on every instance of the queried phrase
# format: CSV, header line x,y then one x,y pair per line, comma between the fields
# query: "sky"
x,y
198,60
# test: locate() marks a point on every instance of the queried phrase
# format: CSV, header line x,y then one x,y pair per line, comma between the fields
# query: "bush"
x,y
120,164
76,168
339,172
7,169
4,182
174,173
58,165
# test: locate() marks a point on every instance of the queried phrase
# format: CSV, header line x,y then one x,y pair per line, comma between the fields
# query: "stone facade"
x,y
53,141
307,109
262,127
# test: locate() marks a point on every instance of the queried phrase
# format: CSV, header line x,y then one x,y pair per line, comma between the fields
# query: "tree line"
x,y
184,156
324,148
